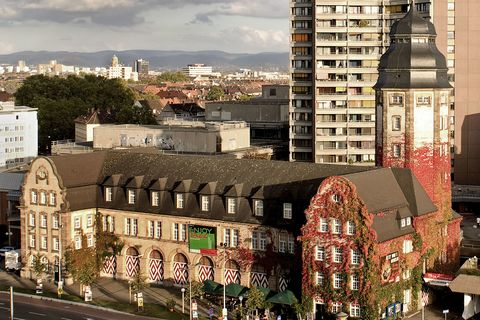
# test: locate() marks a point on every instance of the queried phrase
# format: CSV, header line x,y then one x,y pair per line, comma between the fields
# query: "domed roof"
x,y
412,59
412,23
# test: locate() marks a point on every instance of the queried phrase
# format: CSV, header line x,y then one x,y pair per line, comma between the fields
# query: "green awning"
x,y
285,297
211,287
232,290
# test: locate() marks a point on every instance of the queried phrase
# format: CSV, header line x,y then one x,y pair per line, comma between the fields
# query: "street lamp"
x,y
241,307
224,246
183,300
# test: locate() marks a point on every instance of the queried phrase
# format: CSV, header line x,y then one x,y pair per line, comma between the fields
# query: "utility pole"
x,y
11,303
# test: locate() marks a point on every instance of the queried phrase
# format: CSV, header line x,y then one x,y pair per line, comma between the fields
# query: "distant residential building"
x,y
141,67
118,71
18,134
195,70
84,125
186,111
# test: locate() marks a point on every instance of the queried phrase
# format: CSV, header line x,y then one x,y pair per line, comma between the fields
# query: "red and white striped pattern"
x,y
205,273
259,279
424,298
180,273
232,276
282,284
132,265
155,267
110,266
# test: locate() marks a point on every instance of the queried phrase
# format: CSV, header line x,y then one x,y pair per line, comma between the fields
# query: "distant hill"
x,y
165,60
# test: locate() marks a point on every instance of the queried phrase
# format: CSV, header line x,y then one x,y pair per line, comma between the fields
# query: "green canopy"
x,y
211,287
285,297
232,290
267,292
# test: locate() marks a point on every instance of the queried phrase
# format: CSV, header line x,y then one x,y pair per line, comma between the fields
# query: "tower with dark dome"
x,y
412,106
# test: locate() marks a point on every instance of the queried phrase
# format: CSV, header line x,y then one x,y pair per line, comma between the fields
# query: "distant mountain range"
x,y
164,60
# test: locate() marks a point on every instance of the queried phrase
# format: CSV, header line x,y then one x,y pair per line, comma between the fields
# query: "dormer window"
x,y
180,200
424,100
155,198
287,210
131,196
231,205
258,207
205,201
405,222
336,198
396,99
108,194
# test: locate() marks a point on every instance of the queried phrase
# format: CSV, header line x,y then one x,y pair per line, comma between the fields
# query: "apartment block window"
x,y
55,221
43,220
282,242
89,240
176,232
33,196
407,246
205,203
291,243
337,280
77,222
287,210
155,198
158,229
127,227
52,199
231,205
320,279
355,282
320,254
55,244
89,220
131,196
351,228
108,194
337,254
396,100
355,254
180,200
397,151
32,241
323,225
43,243
78,242
354,310
337,226
43,197
258,207
396,123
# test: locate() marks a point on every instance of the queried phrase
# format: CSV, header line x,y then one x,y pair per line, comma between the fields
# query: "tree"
x,y
60,100
38,266
215,93
255,300
197,291
138,283
169,76
82,263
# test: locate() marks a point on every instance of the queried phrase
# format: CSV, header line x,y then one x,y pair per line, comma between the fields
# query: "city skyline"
x,y
86,26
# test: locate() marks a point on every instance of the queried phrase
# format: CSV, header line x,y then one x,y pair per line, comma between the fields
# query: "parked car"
x,y
5,249
13,260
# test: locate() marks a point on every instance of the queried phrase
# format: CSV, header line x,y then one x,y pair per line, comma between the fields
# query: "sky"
x,y
237,26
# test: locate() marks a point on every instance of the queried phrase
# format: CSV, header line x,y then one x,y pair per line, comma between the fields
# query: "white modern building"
x,y
121,72
198,69
18,134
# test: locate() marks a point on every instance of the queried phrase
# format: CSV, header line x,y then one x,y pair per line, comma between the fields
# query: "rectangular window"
x,y
320,254
323,225
235,237
32,241
77,222
155,197
355,254
287,210
184,232
43,197
131,196
406,274
175,232
397,152
257,238
89,220
291,243
205,203
337,280
126,230
424,100
258,207
336,307
355,282
44,243
231,205
134,227
396,123
43,220
55,221
33,196
78,242
151,229
320,279
396,99
52,199
282,242
263,241
108,194
407,296
180,200
55,244
227,237
354,310
351,228
407,246
337,254
89,240
158,229
337,226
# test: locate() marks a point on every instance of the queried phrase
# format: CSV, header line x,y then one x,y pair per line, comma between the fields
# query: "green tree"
x,y
60,100
215,93
38,266
82,264
197,291
255,300
172,76
138,283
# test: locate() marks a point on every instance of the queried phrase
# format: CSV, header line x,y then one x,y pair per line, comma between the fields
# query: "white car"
x,y
5,249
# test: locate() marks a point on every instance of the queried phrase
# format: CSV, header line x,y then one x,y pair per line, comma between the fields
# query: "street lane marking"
x,y
37,314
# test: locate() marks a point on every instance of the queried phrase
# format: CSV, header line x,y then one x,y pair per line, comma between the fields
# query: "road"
x,y
26,308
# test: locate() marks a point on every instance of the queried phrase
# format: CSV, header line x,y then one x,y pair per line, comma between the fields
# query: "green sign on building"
x,y
202,239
